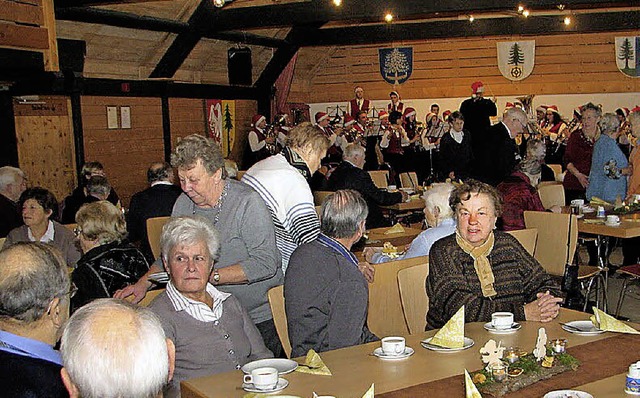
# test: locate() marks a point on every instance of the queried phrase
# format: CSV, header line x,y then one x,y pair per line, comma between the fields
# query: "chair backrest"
x,y
320,196
557,239
151,294
2,242
409,180
413,296
239,175
557,168
71,227
276,303
385,316
154,230
380,178
550,195
527,238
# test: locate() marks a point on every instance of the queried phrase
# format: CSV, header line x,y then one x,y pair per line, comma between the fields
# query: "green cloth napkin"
x,y
604,321
314,365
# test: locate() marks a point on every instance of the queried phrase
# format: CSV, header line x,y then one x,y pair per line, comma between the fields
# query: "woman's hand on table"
x,y
369,252
367,270
544,309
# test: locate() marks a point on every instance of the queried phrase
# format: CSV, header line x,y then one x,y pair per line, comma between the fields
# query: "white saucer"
x,y
467,343
588,209
408,351
283,365
282,384
567,393
586,328
514,328
616,224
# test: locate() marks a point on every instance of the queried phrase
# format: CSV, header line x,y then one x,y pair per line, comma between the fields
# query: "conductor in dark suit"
x,y
155,201
498,154
350,175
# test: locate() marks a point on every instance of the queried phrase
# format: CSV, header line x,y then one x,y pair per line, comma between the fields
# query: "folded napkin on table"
x,y
262,395
396,229
452,333
593,220
470,388
604,321
313,364
414,197
370,392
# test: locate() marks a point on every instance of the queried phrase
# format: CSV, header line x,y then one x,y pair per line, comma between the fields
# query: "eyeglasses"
x,y
77,231
72,291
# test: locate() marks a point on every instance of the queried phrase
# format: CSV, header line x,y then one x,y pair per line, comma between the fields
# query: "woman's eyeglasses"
x,y
77,231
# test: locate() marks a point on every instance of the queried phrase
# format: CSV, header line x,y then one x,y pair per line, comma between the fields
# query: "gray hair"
x,y
634,120
593,107
533,151
438,196
159,171
196,147
342,212
189,231
31,275
113,349
98,185
609,123
352,150
9,175
516,113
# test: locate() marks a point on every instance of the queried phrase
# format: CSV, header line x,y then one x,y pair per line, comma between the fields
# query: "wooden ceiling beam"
x,y
314,11
540,25
87,3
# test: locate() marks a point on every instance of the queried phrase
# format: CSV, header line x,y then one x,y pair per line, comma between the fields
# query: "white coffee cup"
x,y
612,219
577,202
501,320
392,188
263,378
393,345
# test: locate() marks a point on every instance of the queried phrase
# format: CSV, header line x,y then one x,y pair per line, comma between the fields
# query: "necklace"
x,y
218,206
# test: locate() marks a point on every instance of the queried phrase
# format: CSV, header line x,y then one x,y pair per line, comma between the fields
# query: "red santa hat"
x,y
553,109
542,108
348,120
477,87
394,93
257,119
578,111
636,109
624,111
320,116
509,105
429,116
446,114
409,112
382,115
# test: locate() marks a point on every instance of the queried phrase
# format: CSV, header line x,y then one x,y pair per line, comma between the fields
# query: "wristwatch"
x,y
216,277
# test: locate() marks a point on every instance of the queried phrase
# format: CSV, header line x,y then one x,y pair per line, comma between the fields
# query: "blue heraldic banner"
x,y
396,64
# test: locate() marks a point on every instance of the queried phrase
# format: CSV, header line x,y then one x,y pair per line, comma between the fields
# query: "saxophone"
x,y
532,125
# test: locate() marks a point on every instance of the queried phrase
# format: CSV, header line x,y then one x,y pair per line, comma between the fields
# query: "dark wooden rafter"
x,y
539,25
88,3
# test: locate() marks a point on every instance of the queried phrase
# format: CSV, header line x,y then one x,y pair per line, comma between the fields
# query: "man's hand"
x,y
369,252
134,293
544,309
367,270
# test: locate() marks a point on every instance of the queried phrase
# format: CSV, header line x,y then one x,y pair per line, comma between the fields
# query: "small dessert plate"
x,y
468,342
612,224
281,385
514,328
408,351
584,328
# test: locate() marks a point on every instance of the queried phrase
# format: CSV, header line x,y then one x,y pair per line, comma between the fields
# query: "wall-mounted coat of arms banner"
x,y
627,57
396,64
516,58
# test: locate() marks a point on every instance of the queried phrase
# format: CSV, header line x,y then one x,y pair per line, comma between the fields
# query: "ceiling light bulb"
x,y
337,3
388,17
471,18
520,8
567,20
218,3
525,13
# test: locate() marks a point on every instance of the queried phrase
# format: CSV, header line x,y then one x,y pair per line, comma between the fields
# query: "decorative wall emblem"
x,y
627,57
516,58
396,64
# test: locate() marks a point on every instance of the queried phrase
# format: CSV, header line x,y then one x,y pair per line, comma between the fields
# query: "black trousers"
x,y
270,337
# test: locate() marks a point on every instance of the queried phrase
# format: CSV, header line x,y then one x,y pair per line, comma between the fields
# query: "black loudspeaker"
x,y
239,66
71,55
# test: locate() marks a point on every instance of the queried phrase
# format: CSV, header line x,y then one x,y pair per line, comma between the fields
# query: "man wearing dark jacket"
x,y
350,175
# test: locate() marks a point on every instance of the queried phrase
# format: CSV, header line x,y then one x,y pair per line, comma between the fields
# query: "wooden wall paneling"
x,y
23,36
187,117
125,153
51,62
45,144
21,13
245,110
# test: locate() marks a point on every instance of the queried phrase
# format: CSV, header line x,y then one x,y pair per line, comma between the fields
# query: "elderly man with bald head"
x,y
114,349
34,304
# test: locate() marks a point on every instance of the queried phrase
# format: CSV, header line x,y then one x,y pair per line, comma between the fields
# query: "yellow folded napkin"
x,y
262,395
604,321
396,229
471,391
414,197
370,392
452,333
314,365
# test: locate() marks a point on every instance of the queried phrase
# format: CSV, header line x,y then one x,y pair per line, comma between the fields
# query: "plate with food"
x,y
391,251
568,394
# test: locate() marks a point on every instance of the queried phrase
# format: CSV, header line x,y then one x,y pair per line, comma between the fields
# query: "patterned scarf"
x,y
296,161
481,262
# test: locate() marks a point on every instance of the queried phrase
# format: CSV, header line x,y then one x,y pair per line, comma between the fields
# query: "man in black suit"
x,y
155,201
350,175
498,153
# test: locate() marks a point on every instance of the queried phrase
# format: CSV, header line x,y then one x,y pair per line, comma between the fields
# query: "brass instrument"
x,y
353,135
271,131
532,125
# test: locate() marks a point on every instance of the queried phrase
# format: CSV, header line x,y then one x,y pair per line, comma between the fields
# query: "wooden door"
x,y
46,151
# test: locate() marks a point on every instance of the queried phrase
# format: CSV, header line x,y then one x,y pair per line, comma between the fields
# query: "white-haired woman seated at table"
x,y
483,270
439,218
211,331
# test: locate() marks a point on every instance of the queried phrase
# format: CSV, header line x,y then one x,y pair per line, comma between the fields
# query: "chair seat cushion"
x,y
632,270
587,271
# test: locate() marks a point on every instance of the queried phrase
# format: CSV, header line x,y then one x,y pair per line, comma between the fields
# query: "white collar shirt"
x,y
196,309
47,237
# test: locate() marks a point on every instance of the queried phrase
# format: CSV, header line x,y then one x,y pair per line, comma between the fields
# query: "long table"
x,y
354,369
629,227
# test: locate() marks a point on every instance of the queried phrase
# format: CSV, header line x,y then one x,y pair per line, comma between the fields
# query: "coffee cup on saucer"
x,y
393,345
612,219
501,320
263,378
392,188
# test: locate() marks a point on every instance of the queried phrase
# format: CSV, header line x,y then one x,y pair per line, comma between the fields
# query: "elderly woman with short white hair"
x,y
439,218
211,331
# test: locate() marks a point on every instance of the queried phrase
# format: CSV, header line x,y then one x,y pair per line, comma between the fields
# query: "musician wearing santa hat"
x,y
262,144
477,111
395,104
334,154
358,104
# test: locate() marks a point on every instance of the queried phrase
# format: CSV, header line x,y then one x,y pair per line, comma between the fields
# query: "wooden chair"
x,y
527,238
413,296
551,195
276,303
380,178
2,242
555,234
240,174
557,168
631,274
386,317
320,196
154,230
151,294
409,180
71,227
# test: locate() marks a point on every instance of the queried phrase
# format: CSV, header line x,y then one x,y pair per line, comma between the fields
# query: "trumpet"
x,y
353,135
271,131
